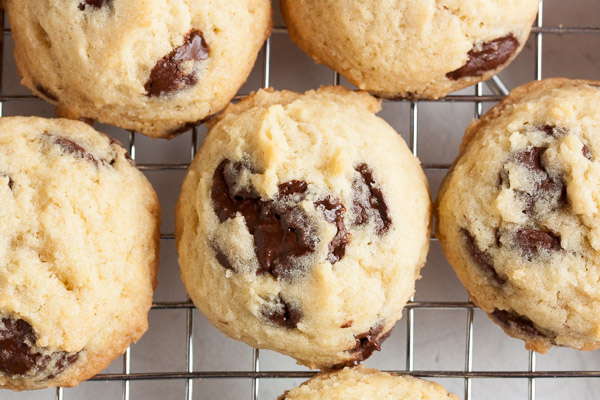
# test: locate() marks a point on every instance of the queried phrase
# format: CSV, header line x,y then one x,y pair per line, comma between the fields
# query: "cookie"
x,y
157,67
302,225
518,214
363,383
411,48
78,252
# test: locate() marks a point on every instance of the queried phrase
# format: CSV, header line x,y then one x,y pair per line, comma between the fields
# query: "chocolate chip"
x,y
546,187
532,241
512,321
369,201
223,260
68,146
291,188
486,57
176,71
532,159
334,211
281,230
10,181
19,354
347,324
586,152
284,314
482,259
552,130
94,3
366,344
46,93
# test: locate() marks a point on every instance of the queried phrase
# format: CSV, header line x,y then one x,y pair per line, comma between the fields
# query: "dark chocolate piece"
x,y
334,211
512,321
482,259
11,183
532,241
552,130
486,57
20,356
291,188
284,314
586,152
374,201
93,3
176,71
223,260
282,232
68,146
46,93
532,159
347,324
366,344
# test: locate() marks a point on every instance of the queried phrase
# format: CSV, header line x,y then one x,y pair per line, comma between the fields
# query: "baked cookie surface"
x,y
518,214
363,383
411,48
156,66
302,225
78,252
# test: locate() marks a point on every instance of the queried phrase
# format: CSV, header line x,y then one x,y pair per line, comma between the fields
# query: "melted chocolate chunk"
x,y
175,71
282,232
586,152
486,57
512,321
333,211
223,260
482,258
284,314
11,183
532,241
291,188
366,344
94,3
532,159
46,93
68,146
374,200
19,355
552,130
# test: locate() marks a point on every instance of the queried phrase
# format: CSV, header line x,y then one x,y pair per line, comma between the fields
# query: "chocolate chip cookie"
x,y
78,252
519,214
157,67
302,225
411,49
362,383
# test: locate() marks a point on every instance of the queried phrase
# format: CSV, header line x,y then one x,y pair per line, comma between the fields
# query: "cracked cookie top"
x,y
302,225
78,252
519,213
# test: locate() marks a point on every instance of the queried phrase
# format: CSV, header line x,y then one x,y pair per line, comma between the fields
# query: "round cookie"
x,y
302,225
363,383
411,48
78,252
157,67
519,214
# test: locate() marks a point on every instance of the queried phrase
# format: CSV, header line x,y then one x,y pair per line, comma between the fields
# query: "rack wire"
x,y
468,374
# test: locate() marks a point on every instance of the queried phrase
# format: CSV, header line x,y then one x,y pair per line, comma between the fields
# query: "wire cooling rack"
x,y
484,96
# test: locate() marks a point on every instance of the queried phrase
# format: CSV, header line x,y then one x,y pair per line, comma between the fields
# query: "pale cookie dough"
x,y
411,48
519,214
155,66
361,383
78,252
302,225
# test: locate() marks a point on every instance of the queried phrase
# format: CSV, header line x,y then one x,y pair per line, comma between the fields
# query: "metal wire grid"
x,y
499,91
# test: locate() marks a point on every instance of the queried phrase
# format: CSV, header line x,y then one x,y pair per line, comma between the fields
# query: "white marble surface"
x,y
439,335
